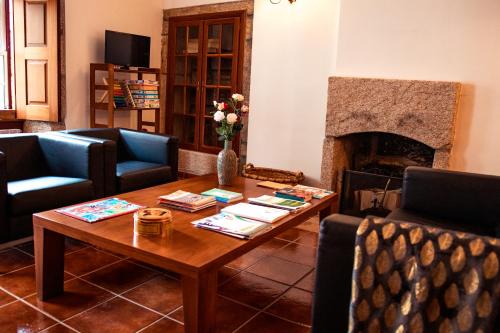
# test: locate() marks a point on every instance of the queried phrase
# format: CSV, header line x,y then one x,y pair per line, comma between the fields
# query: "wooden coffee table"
x,y
195,254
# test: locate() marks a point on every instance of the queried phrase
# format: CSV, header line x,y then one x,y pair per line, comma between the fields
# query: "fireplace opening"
x,y
374,167
387,154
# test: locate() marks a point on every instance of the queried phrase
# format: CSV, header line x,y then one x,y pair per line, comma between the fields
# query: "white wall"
x,y
297,47
293,54
85,25
293,50
452,40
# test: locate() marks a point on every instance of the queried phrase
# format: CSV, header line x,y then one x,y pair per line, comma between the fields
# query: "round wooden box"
x,y
152,221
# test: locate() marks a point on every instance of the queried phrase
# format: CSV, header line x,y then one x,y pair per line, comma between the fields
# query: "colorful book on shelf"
x,y
99,210
267,200
149,88
223,195
186,201
256,212
142,93
145,97
232,225
317,193
294,194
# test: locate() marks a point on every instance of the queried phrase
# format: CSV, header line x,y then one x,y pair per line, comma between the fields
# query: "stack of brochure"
x,y
187,201
232,225
254,212
288,204
317,193
294,194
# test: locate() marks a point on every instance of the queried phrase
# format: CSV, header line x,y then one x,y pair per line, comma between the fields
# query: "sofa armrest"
x,y
4,227
109,160
332,291
67,156
154,148
456,196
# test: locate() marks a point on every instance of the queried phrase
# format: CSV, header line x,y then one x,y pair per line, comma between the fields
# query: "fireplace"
x,y
375,128
385,153
372,179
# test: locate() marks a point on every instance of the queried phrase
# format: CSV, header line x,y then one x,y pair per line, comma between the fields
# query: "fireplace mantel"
x,y
424,111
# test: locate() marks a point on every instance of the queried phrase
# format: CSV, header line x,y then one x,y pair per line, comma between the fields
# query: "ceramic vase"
x,y
227,164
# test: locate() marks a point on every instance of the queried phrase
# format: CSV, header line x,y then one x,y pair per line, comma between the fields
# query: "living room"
x,y
387,108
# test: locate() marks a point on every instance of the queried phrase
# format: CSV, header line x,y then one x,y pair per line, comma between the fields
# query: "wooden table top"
x,y
186,249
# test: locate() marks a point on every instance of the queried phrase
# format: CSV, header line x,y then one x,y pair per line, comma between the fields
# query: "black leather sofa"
x,y
453,200
134,159
41,172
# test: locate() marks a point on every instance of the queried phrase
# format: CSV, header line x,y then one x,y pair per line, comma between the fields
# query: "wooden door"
x,y
35,40
220,75
184,86
204,65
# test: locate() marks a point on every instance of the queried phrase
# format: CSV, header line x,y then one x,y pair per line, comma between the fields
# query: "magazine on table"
x,y
317,193
256,212
294,194
223,195
186,201
232,225
289,204
186,198
99,210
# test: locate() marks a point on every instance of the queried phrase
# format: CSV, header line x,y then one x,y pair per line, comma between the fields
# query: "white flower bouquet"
x,y
228,116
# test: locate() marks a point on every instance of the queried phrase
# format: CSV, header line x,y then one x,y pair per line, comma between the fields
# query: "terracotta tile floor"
x,y
267,290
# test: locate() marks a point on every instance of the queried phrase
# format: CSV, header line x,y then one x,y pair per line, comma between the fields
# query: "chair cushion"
x,y
33,195
25,158
134,175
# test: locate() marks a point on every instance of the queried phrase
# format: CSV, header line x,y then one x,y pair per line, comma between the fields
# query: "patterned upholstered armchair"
x,y
439,198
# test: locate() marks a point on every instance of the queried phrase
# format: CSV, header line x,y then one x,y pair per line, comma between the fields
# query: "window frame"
x,y
9,63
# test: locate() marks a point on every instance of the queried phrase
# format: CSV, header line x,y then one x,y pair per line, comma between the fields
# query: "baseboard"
x,y
15,242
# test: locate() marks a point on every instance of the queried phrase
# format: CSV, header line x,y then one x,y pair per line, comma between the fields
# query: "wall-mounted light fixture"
x,y
278,1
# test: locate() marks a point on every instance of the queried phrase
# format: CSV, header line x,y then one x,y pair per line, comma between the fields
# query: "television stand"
x,y
109,105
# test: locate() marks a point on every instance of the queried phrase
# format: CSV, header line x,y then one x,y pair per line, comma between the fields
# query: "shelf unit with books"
x,y
107,102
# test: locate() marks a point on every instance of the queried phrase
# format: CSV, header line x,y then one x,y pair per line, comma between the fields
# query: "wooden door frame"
x,y
171,80
173,22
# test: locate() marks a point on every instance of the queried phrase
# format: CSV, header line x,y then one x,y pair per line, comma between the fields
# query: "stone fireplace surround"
x,y
424,111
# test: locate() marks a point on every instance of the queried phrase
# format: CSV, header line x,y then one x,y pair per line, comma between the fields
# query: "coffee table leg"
x,y
199,297
49,263
327,211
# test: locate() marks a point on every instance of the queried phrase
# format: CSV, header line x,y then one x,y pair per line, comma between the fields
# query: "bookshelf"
x,y
109,71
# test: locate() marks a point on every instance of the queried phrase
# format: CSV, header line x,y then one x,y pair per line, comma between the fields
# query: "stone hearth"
x,y
424,111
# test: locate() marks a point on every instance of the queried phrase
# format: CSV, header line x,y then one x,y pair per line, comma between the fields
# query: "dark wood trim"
x,y
208,16
8,40
11,123
61,60
202,20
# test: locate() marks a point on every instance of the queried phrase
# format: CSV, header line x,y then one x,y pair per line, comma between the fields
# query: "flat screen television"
x,y
127,50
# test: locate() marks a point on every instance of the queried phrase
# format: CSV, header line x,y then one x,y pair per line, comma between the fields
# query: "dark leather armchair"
x,y
42,172
134,159
453,200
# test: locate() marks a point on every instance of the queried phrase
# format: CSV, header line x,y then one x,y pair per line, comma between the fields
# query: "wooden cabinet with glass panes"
x,y
204,64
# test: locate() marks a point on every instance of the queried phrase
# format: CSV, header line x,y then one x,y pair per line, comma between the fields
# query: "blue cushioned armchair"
x,y
42,172
134,159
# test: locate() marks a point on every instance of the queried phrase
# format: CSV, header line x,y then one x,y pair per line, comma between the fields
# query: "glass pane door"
x,y
185,90
219,74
